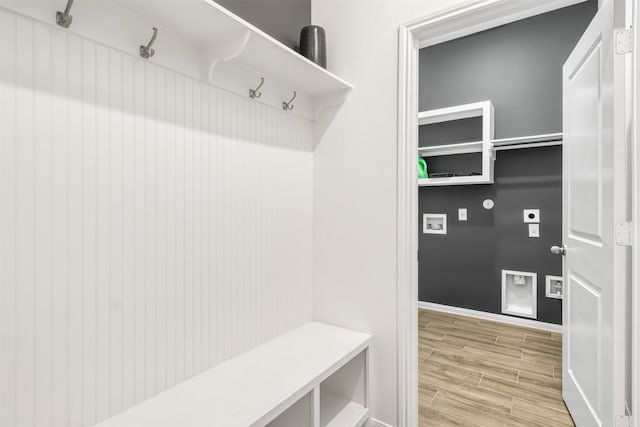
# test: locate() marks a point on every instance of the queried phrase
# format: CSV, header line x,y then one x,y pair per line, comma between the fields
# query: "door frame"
x,y
440,26
635,220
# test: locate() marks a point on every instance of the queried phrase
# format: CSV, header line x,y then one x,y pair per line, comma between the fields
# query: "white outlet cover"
x,y
551,284
531,216
534,230
462,214
488,204
434,223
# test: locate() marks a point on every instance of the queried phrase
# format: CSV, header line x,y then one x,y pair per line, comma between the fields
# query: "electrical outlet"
x,y
532,216
534,230
462,214
554,286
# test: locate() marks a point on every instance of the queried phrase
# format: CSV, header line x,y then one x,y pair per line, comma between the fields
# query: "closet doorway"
x,y
496,195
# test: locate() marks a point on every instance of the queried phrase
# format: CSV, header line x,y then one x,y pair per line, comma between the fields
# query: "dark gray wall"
x,y
463,267
519,68
281,19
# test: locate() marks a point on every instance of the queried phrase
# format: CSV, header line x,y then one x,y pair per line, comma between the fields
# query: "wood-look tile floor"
x,y
480,373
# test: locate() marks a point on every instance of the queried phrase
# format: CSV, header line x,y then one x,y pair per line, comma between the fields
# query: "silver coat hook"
x,y
253,93
64,18
145,51
288,106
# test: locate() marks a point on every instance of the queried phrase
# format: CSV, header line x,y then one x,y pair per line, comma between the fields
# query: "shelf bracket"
x,y
223,52
330,100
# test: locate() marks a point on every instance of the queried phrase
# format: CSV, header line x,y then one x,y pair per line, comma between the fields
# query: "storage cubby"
x,y
484,175
463,165
300,414
312,376
343,395
519,293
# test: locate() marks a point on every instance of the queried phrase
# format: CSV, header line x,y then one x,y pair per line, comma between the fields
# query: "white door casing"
x,y
452,22
594,196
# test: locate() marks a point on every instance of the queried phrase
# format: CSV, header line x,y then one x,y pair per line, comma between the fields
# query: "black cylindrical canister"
x,y
313,44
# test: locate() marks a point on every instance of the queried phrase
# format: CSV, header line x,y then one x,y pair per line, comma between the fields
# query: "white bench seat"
x,y
255,387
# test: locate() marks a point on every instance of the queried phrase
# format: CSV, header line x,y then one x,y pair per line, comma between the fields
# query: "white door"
x,y
594,200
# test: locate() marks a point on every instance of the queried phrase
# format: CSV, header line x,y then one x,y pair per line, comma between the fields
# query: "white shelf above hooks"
x,y
235,54
205,41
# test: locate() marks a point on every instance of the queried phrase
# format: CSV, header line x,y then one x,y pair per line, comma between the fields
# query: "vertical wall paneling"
x,y
60,154
8,306
151,188
43,229
139,367
197,229
103,143
128,233
115,232
74,229
88,123
171,188
25,105
151,226
161,227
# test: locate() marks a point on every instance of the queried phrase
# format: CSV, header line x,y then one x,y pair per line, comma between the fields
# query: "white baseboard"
x,y
372,422
527,323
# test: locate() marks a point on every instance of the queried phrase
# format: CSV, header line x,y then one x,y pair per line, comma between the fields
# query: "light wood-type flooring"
x,y
479,373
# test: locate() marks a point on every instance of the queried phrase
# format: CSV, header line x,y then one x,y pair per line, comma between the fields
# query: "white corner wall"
x,y
355,164
151,226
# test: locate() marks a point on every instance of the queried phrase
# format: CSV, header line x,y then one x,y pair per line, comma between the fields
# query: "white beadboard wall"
x,y
151,226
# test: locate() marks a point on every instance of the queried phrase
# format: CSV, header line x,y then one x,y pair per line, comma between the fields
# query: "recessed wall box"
x,y
434,223
554,286
519,293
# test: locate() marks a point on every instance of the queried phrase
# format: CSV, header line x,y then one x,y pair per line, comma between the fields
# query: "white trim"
x,y
456,112
447,24
372,422
516,321
635,216
526,145
533,141
454,180
548,137
480,15
407,230
451,149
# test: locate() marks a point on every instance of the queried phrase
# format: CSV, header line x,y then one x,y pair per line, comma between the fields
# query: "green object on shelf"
x,y
422,168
